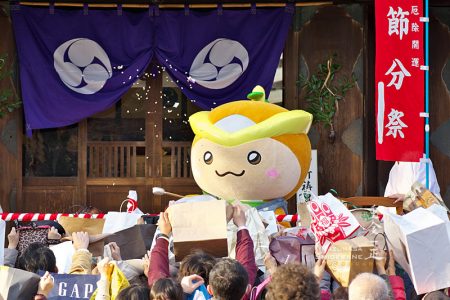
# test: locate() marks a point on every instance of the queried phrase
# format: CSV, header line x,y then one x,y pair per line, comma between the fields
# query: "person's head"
x,y
199,263
368,286
166,289
134,292
37,257
228,280
139,280
88,210
293,282
341,293
436,295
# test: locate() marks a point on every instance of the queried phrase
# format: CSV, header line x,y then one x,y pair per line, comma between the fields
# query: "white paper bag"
x,y
2,241
63,253
421,241
117,221
440,211
257,232
331,221
270,219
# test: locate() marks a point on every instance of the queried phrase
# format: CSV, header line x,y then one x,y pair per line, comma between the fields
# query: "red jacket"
x,y
246,256
159,260
398,287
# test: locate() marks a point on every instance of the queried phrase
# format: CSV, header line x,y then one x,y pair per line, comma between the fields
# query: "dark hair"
x,y
293,282
139,280
228,280
166,289
199,263
341,293
37,257
134,292
88,210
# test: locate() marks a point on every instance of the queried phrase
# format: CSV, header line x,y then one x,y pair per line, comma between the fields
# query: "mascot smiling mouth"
x,y
229,172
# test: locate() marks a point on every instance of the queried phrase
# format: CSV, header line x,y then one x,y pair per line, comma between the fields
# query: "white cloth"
x,y
404,174
131,268
117,221
257,232
63,253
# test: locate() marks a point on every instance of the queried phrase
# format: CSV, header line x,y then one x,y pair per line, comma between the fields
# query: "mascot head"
x,y
249,150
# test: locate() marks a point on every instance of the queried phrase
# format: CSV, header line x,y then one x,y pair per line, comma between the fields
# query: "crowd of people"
x,y
202,276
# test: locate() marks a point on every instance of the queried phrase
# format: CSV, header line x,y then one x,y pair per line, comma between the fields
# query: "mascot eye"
x,y
254,158
208,157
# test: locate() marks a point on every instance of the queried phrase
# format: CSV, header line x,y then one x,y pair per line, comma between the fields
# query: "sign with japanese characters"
x,y
399,80
310,185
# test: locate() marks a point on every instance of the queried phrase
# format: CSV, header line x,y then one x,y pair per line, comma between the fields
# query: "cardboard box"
x,y
199,225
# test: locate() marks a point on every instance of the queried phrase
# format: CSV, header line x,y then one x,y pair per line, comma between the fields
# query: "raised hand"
x,y
45,284
191,283
115,251
239,218
146,262
104,268
53,234
270,263
319,268
13,238
80,240
164,224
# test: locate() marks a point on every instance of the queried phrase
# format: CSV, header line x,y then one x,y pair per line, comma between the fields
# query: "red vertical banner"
x,y
399,80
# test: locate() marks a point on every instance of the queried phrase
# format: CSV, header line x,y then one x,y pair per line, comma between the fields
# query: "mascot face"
x,y
261,169
250,150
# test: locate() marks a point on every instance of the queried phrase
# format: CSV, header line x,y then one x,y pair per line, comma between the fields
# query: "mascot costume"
x,y
254,152
250,150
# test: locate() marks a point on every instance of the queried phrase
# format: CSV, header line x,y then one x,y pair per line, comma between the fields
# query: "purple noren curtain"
x,y
73,64
217,58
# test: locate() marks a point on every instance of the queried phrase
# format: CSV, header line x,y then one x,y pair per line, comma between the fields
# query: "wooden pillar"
x,y
290,69
82,162
370,171
11,136
153,137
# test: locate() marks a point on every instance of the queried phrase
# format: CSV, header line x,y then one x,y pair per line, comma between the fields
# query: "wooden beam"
x,y
137,181
203,3
50,181
112,4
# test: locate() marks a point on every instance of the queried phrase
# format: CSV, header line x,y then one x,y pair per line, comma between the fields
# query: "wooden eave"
x,y
197,3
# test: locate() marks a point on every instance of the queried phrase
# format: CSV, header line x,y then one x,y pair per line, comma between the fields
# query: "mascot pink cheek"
x,y
272,173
